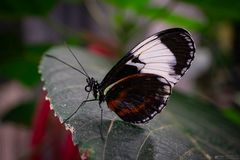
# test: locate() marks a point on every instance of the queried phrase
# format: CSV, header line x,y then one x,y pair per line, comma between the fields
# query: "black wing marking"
x,y
168,54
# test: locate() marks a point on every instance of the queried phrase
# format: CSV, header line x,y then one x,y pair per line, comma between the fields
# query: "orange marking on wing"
x,y
136,109
122,95
115,103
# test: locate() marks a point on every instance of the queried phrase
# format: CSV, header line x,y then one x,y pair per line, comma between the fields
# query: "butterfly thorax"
x,y
93,85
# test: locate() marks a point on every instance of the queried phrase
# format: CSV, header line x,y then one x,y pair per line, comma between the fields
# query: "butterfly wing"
x,y
168,53
138,86
139,97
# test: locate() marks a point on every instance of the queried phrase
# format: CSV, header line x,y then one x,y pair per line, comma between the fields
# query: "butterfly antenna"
x,y
76,59
83,73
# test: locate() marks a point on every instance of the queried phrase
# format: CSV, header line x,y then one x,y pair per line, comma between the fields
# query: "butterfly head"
x,y
92,85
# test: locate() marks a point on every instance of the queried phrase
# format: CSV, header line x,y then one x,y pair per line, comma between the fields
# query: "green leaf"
x,y
219,10
232,114
157,12
23,66
187,128
21,69
21,114
15,8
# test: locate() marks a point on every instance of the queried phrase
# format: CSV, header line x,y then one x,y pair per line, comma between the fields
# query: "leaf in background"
x,y
21,114
15,8
145,8
232,114
186,129
21,69
23,66
219,10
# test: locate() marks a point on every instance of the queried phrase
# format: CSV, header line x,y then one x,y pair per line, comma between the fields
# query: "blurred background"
x,y
108,28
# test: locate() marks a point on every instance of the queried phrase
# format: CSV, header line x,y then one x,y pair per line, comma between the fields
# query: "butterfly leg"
x,y
101,124
83,102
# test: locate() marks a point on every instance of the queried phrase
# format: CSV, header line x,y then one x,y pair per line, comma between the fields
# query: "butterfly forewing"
x,y
168,54
138,86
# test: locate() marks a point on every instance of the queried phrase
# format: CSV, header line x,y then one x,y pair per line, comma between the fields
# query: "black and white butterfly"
x,y
138,86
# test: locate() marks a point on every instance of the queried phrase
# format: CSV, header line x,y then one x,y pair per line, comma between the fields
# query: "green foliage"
x,y
22,65
21,69
20,114
218,10
188,128
232,114
18,9
145,8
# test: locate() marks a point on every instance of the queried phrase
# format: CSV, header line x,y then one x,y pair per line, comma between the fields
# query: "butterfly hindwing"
x,y
139,97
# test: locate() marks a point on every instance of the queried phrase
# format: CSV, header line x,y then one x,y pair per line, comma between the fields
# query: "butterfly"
x,y
138,87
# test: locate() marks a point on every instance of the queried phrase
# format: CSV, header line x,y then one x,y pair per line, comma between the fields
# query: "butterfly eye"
x,y
88,88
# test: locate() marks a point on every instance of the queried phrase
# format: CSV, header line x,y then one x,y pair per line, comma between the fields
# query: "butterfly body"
x,y
138,86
